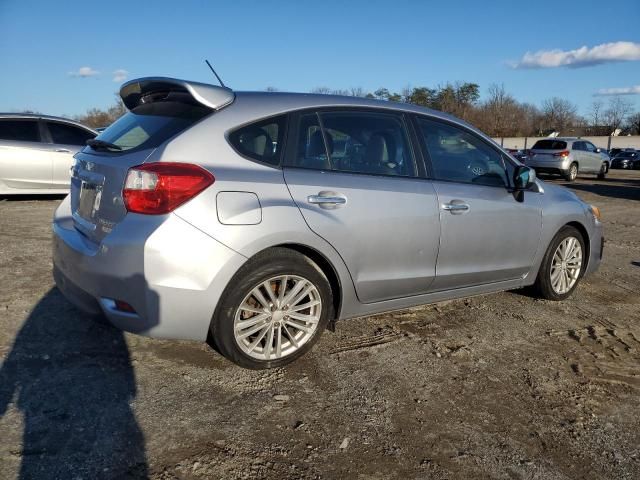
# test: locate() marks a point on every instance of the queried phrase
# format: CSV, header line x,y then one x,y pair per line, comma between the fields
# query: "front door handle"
x,y
456,207
62,150
327,199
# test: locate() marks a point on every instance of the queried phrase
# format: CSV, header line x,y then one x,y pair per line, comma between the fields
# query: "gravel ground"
x,y
498,386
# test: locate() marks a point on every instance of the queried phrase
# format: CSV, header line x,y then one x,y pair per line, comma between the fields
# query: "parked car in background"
x,y
205,213
567,157
36,152
626,160
519,154
615,151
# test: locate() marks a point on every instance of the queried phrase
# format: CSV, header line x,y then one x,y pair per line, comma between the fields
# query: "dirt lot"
x,y
500,386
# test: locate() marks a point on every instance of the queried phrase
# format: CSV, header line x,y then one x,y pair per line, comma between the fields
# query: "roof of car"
x,y
295,100
44,117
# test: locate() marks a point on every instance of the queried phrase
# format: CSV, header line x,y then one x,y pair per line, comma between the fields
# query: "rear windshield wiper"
x,y
102,145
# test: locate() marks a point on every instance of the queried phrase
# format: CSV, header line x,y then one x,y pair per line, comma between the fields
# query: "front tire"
x,y
562,266
571,174
603,171
273,310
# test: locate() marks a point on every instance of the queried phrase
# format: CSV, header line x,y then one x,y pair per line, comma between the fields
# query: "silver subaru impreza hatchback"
x,y
254,221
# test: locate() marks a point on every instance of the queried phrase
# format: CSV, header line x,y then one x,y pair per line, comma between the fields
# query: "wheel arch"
x,y
327,268
585,238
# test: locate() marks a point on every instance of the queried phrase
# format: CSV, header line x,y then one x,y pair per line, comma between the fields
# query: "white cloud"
x,y
84,72
581,57
120,75
634,90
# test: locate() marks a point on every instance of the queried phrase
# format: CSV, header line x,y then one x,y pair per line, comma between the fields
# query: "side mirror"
x,y
523,177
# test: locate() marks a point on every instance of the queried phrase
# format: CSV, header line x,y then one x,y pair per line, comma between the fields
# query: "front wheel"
x,y
603,171
273,311
562,265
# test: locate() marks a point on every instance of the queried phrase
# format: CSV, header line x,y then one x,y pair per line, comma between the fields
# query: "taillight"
x,y
158,188
564,153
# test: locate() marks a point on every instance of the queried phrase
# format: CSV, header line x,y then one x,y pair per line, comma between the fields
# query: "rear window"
x,y
261,141
19,130
149,125
550,145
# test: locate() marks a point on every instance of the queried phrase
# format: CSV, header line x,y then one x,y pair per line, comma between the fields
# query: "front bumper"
x,y
171,273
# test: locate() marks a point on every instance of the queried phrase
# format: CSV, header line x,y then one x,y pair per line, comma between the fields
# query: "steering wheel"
x,y
478,167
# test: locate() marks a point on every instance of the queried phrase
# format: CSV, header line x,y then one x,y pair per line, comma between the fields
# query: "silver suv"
x,y
567,157
36,152
255,220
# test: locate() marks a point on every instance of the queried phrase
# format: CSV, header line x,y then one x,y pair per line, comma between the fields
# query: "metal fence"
x,y
601,142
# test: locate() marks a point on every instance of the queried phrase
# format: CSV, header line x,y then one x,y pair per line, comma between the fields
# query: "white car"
x,y
36,152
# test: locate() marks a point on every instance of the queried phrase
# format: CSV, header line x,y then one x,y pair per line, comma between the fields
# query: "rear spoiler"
x,y
212,96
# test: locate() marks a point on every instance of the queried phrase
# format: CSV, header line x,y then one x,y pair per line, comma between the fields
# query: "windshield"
x,y
149,125
550,145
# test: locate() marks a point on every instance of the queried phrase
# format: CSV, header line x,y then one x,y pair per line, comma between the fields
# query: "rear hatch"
x,y
548,150
159,109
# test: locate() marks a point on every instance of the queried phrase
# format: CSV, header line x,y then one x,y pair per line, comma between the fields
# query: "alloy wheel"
x,y
573,171
277,317
566,265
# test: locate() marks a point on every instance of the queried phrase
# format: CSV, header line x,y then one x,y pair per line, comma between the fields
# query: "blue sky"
x,y
295,46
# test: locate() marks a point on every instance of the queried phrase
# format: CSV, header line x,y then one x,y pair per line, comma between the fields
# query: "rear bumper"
x,y
549,166
171,273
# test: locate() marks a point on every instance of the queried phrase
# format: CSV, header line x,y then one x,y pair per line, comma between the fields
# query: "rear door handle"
x,y
62,150
327,199
456,207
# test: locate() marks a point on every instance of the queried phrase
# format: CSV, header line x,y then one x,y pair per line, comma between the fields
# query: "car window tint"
x,y
150,124
310,146
68,134
589,147
367,142
355,142
459,156
262,141
19,130
549,145
577,146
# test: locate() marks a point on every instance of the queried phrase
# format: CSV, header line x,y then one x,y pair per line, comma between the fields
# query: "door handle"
x,y
62,150
455,208
327,199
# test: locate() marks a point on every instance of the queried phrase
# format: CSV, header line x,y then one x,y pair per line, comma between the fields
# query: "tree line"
x,y
498,114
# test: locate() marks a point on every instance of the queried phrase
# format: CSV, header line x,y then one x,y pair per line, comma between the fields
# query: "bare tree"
x,y
271,89
595,113
634,123
322,90
558,114
96,117
618,110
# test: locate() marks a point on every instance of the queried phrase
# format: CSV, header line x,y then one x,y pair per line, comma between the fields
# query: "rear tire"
x,y
561,262
571,174
275,340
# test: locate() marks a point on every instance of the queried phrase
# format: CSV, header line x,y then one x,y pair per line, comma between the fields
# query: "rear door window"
x,y
370,143
550,145
68,134
261,141
150,124
578,146
19,130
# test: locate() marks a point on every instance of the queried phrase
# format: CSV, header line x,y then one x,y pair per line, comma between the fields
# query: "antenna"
x,y
214,72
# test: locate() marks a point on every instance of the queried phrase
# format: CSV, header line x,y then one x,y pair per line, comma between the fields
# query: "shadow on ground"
x,y
72,379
